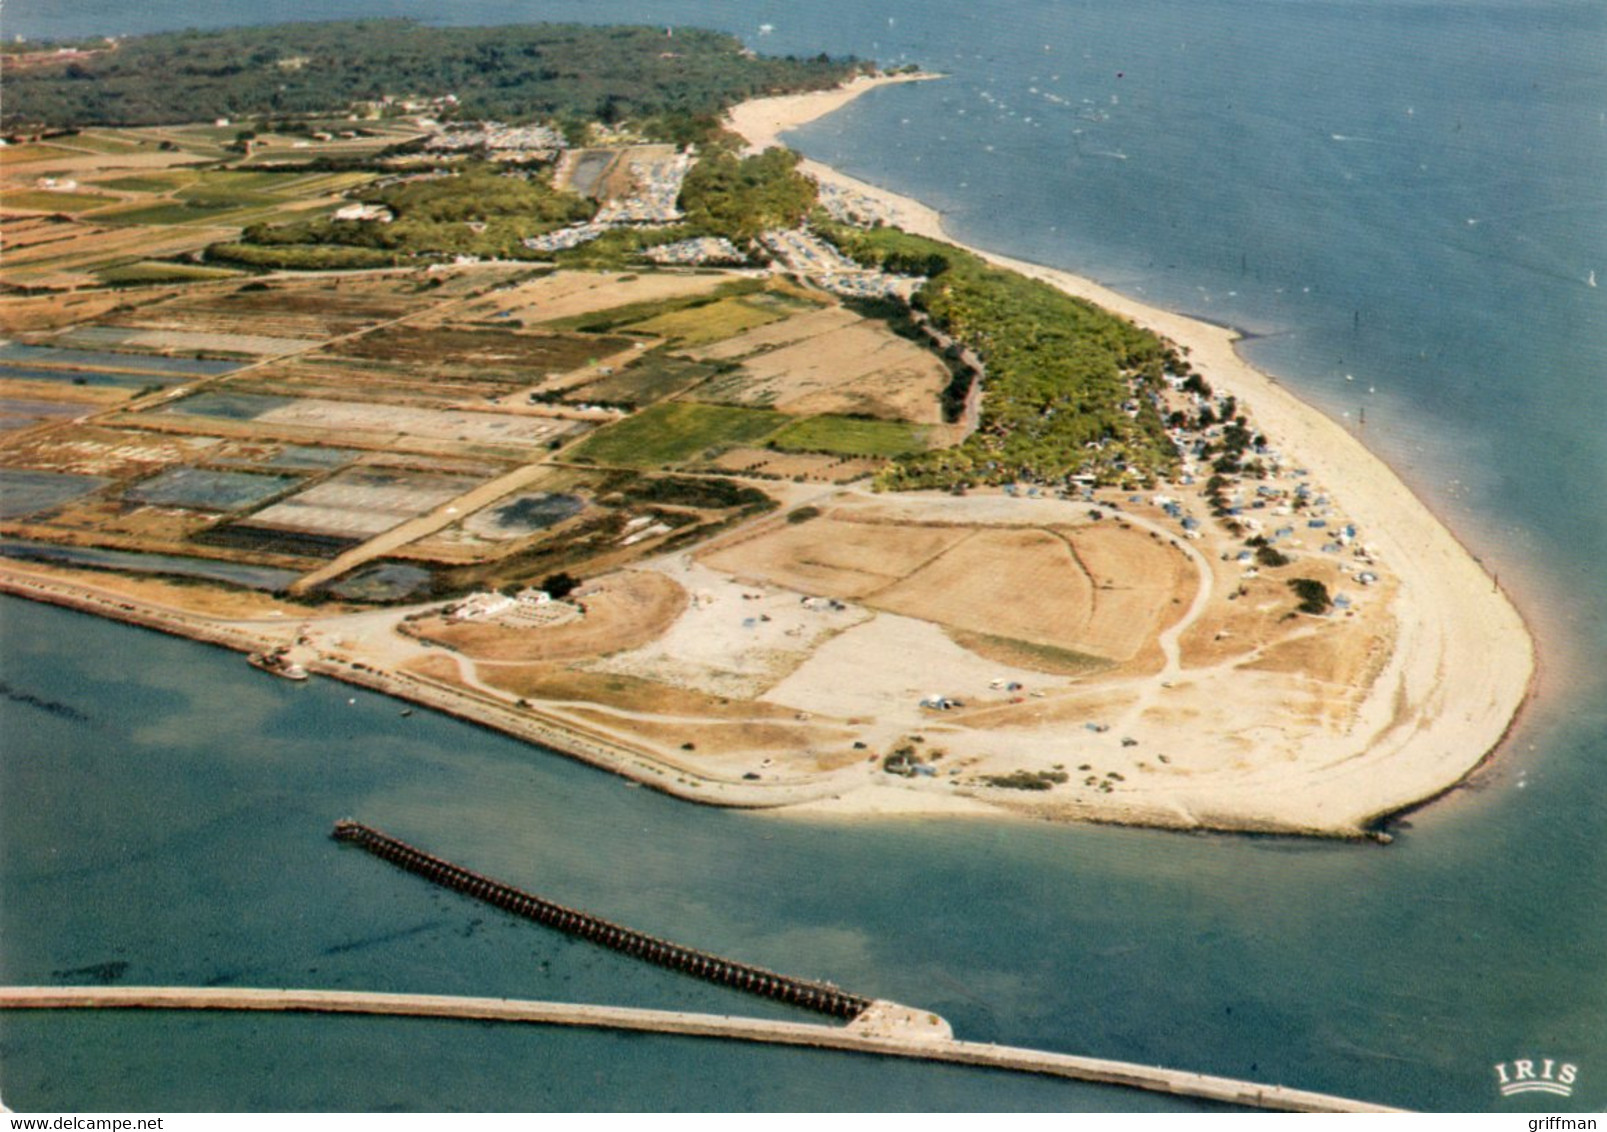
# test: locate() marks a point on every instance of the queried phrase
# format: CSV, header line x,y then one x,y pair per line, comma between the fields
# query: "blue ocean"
x,y
1403,203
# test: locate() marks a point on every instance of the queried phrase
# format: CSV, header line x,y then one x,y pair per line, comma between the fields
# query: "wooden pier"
x,y
873,1026
820,997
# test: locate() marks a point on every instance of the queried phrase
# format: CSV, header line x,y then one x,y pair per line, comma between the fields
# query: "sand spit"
x,y
1463,659
820,689
762,121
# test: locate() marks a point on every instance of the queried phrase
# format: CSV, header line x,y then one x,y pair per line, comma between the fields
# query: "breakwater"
x,y
879,1032
822,998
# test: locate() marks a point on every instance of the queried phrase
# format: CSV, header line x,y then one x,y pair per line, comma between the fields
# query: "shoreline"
x,y
1448,694
561,736
1465,659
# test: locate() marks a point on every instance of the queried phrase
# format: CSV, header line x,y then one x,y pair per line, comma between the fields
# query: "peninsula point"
x,y
640,437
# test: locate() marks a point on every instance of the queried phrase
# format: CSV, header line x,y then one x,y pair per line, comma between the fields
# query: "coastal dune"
x,y
1462,660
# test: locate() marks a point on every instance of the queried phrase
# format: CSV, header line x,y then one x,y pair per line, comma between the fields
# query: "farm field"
x,y
61,254
830,361
27,232
715,322
675,432
134,202
165,340
319,377
488,354
14,392
155,271
46,200
33,152
109,142
981,586
584,300
800,466
652,377
849,436
305,311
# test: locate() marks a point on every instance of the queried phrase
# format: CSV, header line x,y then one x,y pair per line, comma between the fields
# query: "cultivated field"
x,y
47,200
800,466
290,309
650,378
717,321
65,253
501,355
674,432
172,340
1141,586
849,436
577,294
134,202
830,361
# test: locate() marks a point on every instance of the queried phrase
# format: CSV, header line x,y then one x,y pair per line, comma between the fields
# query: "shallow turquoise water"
x,y
1306,170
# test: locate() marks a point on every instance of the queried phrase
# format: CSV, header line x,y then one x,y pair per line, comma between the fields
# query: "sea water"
x,y
1402,200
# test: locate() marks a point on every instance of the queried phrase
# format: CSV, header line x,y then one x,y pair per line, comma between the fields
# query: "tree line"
x,y
514,74
1067,381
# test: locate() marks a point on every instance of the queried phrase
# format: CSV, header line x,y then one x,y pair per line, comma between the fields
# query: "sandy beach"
x,y
1462,660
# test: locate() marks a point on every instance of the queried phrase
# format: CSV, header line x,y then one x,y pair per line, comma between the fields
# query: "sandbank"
x,y
762,121
1462,661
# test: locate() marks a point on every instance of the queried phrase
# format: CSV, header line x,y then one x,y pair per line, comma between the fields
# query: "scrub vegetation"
x,y
1064,378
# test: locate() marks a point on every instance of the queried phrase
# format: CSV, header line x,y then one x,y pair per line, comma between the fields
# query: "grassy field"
x,y
104,143
850,436
150,182
613,318
220,184
36,151
319,184
43,200
492,354
711,322
650,379
174,212
295,258
157,272
674,432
